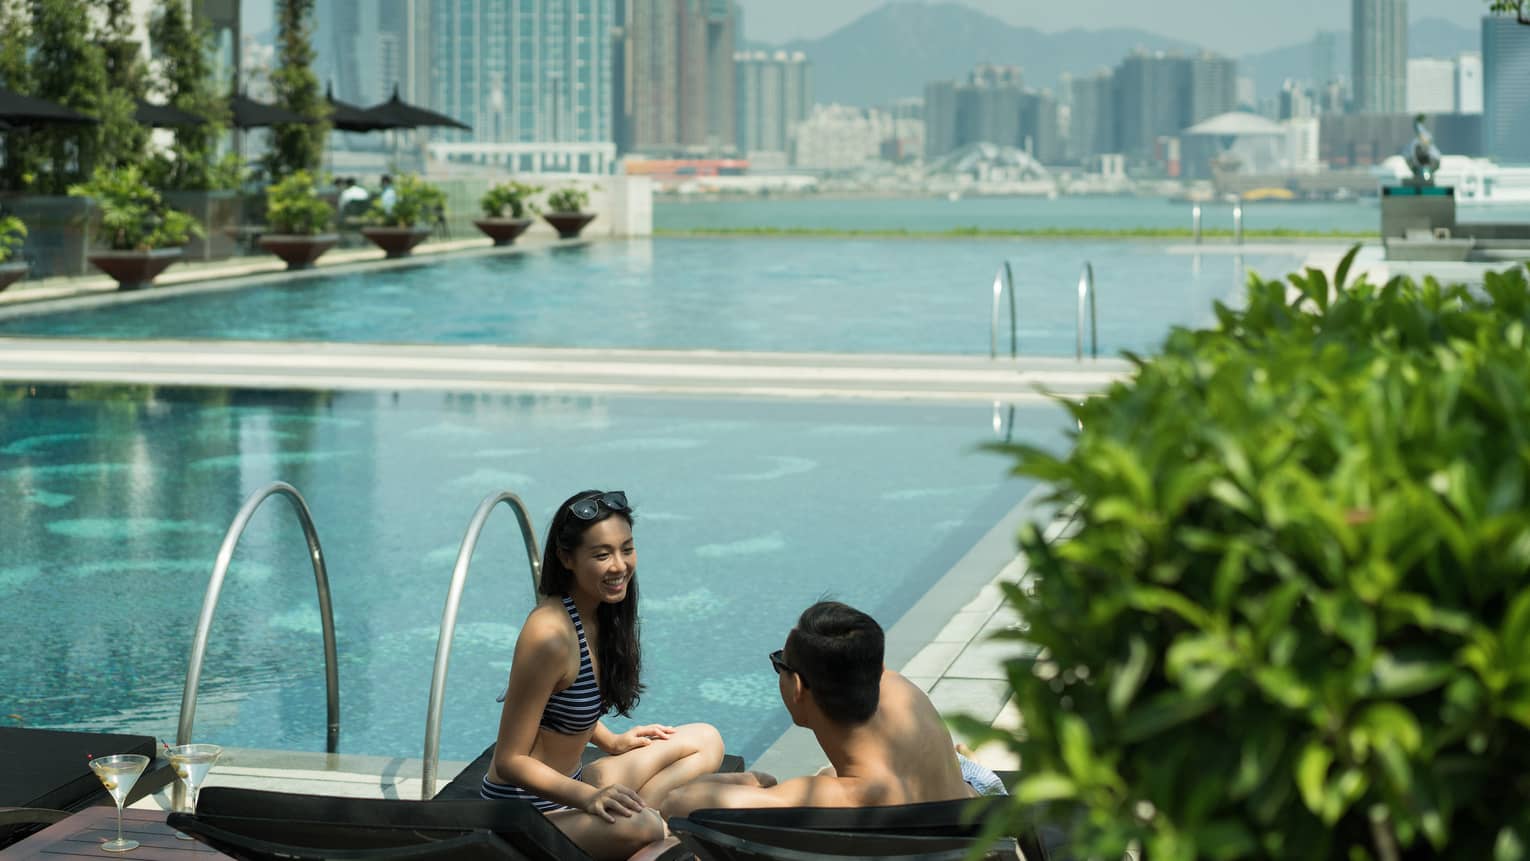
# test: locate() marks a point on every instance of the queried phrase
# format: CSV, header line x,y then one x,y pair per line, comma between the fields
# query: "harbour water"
x,y
1030,214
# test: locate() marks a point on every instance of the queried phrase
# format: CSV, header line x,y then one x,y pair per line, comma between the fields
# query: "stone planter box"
x,y
135,270
299,252
12,272
396,241
216,211
60,232
503,230
568,224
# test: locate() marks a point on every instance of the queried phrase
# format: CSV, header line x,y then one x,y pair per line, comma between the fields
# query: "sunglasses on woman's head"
x,y
589,507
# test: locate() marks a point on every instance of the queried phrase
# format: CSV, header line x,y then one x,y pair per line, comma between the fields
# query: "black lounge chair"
x,y
798,828
802,844
49,770
264,826
467,782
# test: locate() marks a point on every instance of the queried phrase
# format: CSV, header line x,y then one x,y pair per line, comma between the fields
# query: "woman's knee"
x,y
705,740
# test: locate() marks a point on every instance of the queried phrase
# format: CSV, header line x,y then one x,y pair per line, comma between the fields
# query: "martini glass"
x,y
191,763
118,773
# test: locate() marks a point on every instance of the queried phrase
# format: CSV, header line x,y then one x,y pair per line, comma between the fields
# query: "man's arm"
x,y
746,790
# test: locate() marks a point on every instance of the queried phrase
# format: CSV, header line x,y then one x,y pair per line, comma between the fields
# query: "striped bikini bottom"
x,y
501,791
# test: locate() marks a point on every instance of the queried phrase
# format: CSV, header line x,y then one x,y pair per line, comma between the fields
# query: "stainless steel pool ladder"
x,y
1195,222
210,604
1003,280
432,753
1086,291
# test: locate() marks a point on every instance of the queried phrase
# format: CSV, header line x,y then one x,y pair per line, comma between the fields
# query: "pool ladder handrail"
x,y
1086,290
1002,280
210,604
1237,214
431,759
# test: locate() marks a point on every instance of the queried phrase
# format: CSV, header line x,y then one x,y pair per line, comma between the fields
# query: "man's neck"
x,y
853,751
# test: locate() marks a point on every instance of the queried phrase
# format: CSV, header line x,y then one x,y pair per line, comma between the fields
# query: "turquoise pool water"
x,y
116,499
835,295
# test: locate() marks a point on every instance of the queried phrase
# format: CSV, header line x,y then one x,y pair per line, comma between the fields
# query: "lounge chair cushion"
x,y
466,784
51,768
779,843
471,846
323,823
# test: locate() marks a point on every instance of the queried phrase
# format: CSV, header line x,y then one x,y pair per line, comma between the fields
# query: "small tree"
x,y
186,76
122,139
66,67
293,206
1519,8
509,199
297,146
21,155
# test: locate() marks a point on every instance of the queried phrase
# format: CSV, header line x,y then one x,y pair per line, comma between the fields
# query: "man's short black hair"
x,y
837,651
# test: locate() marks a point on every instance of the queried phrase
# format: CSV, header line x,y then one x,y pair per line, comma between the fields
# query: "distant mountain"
x,y
1429,37
893,51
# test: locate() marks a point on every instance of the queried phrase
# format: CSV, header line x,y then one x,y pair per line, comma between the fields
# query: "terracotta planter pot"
x,y
568,224
503,230
12,272
134,270
298,251
396,241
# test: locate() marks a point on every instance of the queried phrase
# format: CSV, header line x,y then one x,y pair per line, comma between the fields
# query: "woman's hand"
x,y
613,801
640,736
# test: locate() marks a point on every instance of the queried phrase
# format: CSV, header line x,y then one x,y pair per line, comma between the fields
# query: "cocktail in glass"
x,y
191,763
118,773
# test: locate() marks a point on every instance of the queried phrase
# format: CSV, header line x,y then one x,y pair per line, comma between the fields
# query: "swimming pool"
x,y
810,295
117,499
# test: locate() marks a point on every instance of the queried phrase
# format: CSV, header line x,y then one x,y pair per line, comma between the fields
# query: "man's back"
x,y
904,754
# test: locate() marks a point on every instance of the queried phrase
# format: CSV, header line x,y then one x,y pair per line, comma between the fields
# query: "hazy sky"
x,y
1233,26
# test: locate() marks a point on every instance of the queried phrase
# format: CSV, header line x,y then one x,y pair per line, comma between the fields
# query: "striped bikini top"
x,y
577,707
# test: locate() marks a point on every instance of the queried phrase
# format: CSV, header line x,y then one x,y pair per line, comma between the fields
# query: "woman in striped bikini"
x,y
577,657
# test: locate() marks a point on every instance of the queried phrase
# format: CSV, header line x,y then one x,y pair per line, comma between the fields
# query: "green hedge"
x,y
1294,621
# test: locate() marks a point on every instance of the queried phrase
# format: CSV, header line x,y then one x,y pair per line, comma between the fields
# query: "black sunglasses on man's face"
x,y
778,662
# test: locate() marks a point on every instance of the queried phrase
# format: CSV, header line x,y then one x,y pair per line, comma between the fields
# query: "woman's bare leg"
x,y
613,840
695,749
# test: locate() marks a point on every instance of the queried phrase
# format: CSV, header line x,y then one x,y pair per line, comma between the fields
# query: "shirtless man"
x,y
884,740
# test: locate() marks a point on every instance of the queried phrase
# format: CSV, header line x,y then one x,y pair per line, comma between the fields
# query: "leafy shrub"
x,y
1294,621
568,199
416,202
133,216
13,235
509,199
293,206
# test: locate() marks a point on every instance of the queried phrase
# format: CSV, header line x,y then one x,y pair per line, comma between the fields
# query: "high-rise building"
x,y
1325,58
1213,87
1469,83
775,93
1506,89
1379,52
991,106
1152,100
361,49
939,119
1092,124
522,70
1431,86
676,75
1295,101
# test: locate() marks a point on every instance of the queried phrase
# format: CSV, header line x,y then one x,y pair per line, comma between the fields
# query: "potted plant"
x,y
566,211
12,233
400,221
506,208
143,235
299,220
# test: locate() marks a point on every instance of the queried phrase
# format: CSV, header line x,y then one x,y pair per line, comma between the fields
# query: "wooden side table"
x,y
81,836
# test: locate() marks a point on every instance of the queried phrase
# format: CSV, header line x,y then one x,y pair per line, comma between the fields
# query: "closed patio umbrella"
x,y
19,110
406,116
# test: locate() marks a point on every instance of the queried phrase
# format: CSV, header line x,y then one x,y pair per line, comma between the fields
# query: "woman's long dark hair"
x,y
620,657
